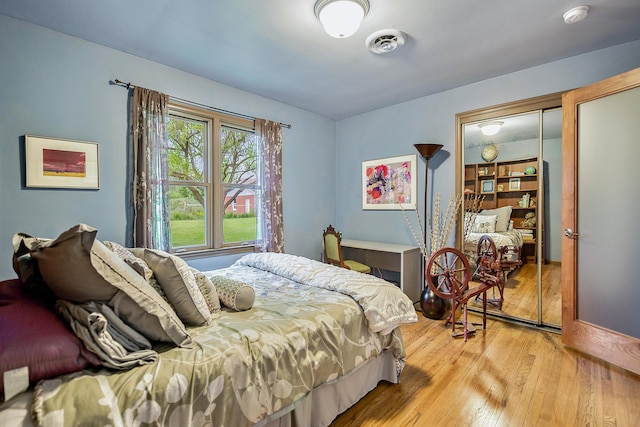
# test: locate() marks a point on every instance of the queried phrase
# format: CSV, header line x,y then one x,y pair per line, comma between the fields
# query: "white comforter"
x,y
385,306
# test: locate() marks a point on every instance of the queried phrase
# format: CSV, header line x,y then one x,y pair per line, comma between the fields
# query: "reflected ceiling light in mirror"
x,y
341,18
490,128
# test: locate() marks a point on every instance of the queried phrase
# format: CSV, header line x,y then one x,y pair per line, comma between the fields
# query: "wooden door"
x,y
601,202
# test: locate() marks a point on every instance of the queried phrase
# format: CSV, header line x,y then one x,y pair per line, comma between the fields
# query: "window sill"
x,y
208,253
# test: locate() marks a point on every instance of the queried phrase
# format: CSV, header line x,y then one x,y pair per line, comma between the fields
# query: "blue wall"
x,y
55,85
393,130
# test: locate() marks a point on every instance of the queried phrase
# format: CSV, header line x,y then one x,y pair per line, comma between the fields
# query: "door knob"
x,y
570,234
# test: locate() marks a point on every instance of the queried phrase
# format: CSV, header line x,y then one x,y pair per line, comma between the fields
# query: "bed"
x,y
505,238
316,339
495,223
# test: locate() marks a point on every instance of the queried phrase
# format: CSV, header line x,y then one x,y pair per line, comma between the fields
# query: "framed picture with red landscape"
x,y
389,183
60,163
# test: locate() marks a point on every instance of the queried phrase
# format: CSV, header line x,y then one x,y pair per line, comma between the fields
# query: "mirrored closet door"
x,y
509,168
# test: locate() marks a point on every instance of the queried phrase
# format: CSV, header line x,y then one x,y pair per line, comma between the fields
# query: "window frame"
x,y
214,209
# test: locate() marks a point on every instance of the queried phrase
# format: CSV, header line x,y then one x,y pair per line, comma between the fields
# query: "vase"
x,y
432,305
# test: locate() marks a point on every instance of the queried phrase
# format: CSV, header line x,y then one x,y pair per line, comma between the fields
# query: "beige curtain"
x,y
270,220
150,170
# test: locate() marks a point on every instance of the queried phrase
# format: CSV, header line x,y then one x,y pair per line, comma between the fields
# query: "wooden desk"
x,y
388,256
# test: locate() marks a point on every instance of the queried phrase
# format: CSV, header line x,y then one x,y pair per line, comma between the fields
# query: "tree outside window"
x,y
213,167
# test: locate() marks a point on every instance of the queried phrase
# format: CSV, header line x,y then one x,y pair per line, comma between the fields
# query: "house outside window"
x,y
213,177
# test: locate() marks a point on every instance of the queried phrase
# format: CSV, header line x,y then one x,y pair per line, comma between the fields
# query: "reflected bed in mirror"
x,y
504,175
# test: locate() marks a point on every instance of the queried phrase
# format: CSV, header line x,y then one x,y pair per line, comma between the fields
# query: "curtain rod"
x,y
196,104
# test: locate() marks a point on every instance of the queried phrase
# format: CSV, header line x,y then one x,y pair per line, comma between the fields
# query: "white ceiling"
x,y
278,49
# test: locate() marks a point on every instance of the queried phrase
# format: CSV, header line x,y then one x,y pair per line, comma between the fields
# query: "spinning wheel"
x,y
486,247
489,268
448,274
443,272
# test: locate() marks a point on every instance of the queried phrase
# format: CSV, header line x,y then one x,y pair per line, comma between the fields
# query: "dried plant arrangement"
x,y
439,224
472,206
419,240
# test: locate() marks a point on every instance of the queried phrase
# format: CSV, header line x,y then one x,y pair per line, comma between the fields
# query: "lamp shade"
x,y
428,150
341,18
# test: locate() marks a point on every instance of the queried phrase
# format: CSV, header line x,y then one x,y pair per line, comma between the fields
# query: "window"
x,y
213,180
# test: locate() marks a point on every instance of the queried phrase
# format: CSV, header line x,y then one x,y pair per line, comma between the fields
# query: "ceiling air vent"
x,y
385,41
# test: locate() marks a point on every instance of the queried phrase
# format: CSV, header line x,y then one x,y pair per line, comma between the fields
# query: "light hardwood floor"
x,y
521,294
507,375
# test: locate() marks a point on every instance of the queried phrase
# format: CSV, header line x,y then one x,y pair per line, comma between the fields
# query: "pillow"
x,y
134,262
484,224
236,295
32,335
503,214
208,291
27,268
177,281
79,268
138,264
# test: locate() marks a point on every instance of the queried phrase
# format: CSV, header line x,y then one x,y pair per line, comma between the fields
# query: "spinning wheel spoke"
x,y
447,272
462,286
486,247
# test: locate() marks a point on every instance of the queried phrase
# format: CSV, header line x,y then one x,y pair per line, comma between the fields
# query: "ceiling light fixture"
x,y
490,128
575,14
341,18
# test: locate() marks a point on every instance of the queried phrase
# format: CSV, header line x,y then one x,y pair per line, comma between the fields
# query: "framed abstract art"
x,y
389,183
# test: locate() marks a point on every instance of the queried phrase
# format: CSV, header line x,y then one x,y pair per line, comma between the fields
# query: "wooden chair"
x,y
448,274
333,252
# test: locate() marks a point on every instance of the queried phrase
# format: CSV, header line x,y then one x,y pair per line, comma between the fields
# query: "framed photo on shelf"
x,y
487,186
500,187
61,163
514,184
390,183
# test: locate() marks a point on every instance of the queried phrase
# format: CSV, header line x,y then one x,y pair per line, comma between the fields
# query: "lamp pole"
x,y
430,308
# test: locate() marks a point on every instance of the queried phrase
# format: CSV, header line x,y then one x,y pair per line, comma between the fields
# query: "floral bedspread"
x,y
384,304
244,367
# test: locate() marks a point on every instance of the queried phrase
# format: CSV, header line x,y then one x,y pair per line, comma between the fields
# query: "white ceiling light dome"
x,y
385,41
575,14
490,128
341,18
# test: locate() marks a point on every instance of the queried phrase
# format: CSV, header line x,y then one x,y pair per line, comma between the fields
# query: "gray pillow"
x,y
503,215
208,291
134,262
79,268
236,295
139,266
177,281
23,263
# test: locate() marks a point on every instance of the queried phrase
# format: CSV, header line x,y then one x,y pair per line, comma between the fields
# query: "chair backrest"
x,y
332,248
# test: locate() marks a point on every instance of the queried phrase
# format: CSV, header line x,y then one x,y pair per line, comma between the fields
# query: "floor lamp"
x,y
432,306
